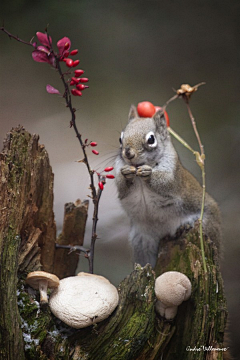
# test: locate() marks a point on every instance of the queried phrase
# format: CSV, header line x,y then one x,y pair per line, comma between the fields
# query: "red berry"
x,y
66,54
82,87
74,52
146,109
95,152
72,83
69,62
78,72
109,168
75,63
75,80
93,143
101,186
66,46
84,80
167,118
76,92
86,140
110,176
79,93
157,108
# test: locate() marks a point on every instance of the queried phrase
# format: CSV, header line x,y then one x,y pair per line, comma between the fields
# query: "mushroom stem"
x,y
43,286
169,312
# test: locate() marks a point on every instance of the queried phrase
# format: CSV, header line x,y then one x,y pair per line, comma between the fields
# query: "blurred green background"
x,y
131,51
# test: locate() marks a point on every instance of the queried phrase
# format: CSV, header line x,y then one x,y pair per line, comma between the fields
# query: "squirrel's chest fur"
x,y
151,212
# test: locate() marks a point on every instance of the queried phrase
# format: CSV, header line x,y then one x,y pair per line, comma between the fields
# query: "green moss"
x,y
35,322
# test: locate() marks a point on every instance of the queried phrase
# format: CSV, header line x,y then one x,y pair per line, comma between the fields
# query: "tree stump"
x,y
134,330
74,223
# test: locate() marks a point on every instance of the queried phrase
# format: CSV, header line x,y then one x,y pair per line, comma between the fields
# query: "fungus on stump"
x,y
134,330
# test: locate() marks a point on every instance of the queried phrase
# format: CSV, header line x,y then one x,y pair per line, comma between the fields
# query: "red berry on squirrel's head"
x,y
145,109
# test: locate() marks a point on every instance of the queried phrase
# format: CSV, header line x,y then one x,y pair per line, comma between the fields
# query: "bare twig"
x,y
87,253
201,163
185,92
11,36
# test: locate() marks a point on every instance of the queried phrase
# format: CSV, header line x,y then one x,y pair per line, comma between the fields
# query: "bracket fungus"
x,y
41,280
83,300
171,289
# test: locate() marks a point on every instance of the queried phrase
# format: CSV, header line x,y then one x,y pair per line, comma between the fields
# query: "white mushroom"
x,y
83,300
171,289
41,280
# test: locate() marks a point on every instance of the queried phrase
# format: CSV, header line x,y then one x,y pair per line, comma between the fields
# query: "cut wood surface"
x,y
134,330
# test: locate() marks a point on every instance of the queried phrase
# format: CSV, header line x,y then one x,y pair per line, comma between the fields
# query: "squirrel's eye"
x,y
151,140
120,139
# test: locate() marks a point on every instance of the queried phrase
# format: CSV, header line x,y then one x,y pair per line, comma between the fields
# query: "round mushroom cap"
x,y
35,277
93,275
172,288
83,300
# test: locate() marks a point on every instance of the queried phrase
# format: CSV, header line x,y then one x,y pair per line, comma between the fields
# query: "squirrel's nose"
x,y
129,153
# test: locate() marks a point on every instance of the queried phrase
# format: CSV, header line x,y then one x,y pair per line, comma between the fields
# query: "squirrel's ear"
x,y
161,124
132,113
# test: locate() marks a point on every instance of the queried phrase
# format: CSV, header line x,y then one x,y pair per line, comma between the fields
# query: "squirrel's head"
x,y
144,140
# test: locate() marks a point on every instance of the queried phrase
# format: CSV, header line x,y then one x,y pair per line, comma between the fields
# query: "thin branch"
x,y
11,36
202,166
87,253
169,101
185,92
73,248
94,229
181,140
194,126
95,196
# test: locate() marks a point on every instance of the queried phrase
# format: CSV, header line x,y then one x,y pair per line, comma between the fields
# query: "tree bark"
x,y
27,227
75,217
134,330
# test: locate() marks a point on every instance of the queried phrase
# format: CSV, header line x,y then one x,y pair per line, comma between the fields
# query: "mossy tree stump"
x,y
133,331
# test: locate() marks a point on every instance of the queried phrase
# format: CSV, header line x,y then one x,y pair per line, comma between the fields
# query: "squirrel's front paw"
x,y
129,172
144,171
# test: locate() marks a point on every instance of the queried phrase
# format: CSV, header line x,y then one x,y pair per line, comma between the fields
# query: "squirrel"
x,y
158,194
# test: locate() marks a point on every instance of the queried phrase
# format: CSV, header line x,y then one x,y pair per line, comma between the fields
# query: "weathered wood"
x,y
75,217
27,198
134,330
201,321
27,227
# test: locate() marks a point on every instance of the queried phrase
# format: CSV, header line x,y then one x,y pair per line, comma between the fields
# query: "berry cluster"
x,y
45,53
75,80
102,178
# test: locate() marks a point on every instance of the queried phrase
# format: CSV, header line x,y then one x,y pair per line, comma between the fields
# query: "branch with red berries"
x,y
73,84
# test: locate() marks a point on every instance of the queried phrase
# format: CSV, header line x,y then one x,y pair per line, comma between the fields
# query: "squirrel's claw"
x,y
128,171
144,171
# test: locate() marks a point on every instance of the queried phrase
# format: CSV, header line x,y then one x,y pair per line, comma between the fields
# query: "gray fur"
x,y
157,192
